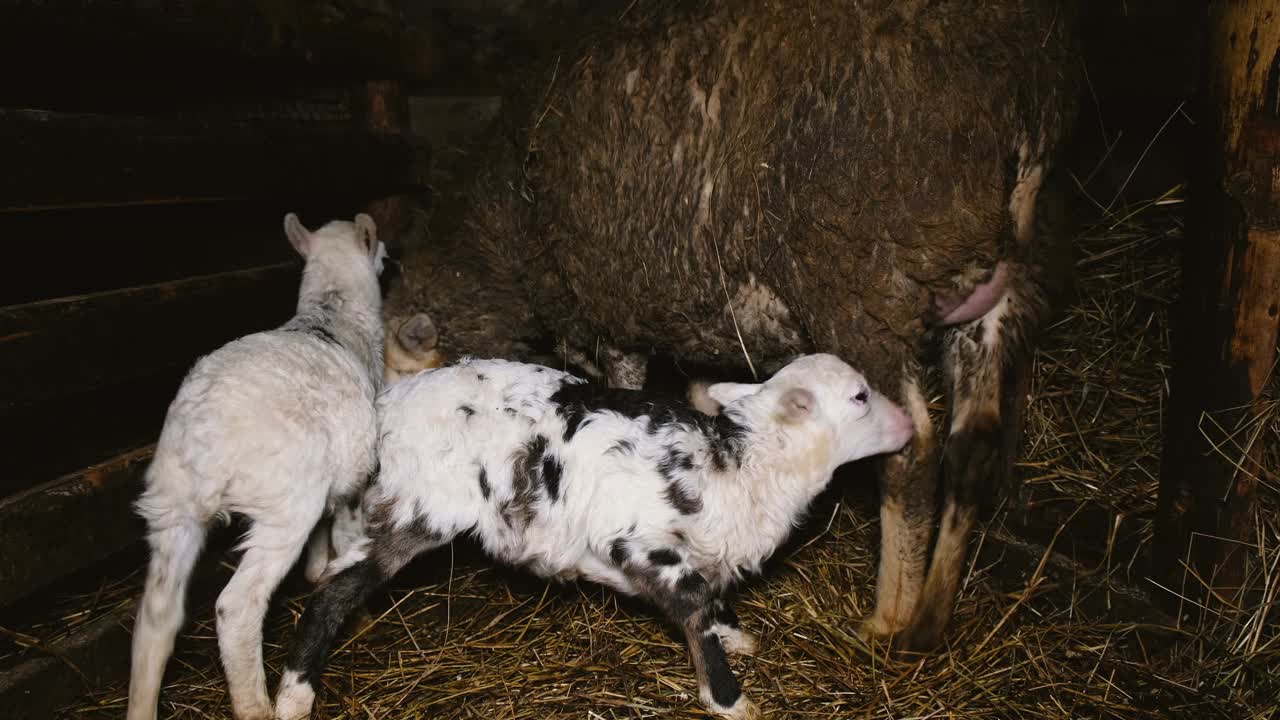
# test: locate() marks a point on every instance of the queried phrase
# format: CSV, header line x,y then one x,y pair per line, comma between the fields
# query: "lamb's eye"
x,y
861,397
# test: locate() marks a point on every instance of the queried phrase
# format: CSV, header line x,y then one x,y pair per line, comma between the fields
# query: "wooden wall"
x,y
151,150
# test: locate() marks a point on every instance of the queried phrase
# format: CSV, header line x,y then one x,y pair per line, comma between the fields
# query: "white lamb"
x,y
616,486
280,427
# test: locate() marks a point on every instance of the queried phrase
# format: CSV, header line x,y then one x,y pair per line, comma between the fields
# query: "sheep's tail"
x,y
176,540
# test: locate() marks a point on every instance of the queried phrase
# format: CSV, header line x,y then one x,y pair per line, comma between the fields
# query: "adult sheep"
x,y
762,179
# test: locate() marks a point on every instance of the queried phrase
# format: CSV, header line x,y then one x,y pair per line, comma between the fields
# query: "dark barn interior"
x,y
152,147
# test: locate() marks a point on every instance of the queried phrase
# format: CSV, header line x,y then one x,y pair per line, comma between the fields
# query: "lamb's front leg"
x,y
726,626
352,576
686,598
318,552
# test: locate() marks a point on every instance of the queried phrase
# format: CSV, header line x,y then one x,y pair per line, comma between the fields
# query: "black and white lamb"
x,y
279,427
620,487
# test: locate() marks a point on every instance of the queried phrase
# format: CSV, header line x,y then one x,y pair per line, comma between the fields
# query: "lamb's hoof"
x,y
743,709
737,642
253,712
295,698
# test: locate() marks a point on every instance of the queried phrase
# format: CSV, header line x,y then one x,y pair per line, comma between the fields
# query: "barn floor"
x,y
1052,621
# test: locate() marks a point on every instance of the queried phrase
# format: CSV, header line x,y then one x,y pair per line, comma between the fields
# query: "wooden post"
x,y
1228,317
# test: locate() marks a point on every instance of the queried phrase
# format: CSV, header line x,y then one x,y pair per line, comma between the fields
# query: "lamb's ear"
x,y
367,234
797,404
297,234
728,393
418,334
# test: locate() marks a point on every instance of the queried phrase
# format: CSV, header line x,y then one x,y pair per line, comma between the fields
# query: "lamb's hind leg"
x,y
908,485
336,531
348,525
270,550
174,550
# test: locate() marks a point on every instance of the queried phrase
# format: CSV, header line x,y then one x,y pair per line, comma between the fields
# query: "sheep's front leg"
x,y
684,595
625,370
908,484
611,366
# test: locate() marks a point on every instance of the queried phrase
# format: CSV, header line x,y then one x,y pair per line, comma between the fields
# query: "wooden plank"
x,y
58,160
1228,319
57,254
77,252
66,525
50,438
342,37
62,347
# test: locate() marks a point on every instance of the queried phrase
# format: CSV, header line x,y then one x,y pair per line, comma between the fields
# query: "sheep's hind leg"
x,y
337,531
977,456
348,525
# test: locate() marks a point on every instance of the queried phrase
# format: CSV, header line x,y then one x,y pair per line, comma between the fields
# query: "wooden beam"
x,y
49,438
350,38
1227,320
62,253
60,160
66,525
63,347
